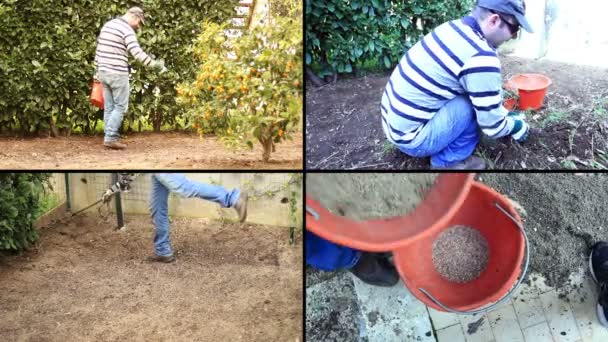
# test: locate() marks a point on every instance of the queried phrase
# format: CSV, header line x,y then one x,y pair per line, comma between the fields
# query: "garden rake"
x,y
102,213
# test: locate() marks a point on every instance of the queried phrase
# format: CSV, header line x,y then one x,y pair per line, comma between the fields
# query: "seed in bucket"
x,y
460,254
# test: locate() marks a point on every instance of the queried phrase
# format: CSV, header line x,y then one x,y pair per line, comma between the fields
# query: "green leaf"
x,y
370,45
308,59
348,68
405,23
36,64
387,62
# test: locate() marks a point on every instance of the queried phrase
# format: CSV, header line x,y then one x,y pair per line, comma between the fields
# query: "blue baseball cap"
x,y
516,8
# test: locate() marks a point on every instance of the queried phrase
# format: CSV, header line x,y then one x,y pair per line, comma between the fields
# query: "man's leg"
x,y
328,256
450,137
160,217
184,187
120,91
108,98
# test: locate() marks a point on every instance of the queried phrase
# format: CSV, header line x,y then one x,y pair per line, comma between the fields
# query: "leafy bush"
x,y
247,88
20,205
342,34
47,51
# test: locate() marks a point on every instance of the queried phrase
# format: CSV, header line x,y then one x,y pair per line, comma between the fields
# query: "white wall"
x,y
565,31
263,208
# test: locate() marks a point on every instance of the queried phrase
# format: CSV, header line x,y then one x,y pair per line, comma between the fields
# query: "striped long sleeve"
x,y
481,79
452,60
116,40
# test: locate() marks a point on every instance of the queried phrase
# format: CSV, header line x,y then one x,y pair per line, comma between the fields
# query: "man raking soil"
x,y
448,86
117,37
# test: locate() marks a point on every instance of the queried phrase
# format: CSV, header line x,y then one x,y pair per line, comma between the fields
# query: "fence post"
x,y
118,201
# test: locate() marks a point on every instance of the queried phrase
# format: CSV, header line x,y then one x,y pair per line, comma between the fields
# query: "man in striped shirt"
x,y
117,37
449,85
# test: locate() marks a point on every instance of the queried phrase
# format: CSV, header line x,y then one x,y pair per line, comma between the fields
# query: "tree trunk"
x,y
314,79
53,127
267,145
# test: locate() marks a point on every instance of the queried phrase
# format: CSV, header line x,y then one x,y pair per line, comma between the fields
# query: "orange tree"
x,y
247,88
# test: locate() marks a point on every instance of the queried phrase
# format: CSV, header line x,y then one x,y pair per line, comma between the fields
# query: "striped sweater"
x,y
115,39
454,59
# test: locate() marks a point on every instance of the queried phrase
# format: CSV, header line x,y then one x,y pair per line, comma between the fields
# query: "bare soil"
x,y
343,128
85,281
565,214
144,151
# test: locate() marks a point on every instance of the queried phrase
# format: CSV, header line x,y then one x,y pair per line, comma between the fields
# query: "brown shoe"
x,y
241,207
471,163
115,145
162,258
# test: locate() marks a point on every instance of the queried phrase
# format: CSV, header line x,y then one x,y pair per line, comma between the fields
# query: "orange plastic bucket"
x,y
532,89
97,94
492,215
439,205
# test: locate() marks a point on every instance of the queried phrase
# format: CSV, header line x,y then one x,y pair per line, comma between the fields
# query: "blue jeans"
x,y
116,102
449,137
328,256
162,185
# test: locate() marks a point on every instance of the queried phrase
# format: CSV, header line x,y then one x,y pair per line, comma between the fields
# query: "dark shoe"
x,y
598,265
162,258
375,270
471,163
241,207
115,145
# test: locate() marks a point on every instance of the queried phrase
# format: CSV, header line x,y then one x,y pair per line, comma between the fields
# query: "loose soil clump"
x,y
460,254
366,196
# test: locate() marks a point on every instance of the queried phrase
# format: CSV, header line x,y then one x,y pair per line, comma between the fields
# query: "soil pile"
x,y
460,254
366,196
566,214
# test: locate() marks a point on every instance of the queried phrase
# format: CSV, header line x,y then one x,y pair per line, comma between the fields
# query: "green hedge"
x,y
20,205
47,49
342,34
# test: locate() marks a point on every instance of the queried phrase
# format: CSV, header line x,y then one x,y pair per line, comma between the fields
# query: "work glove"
x,y
521,131
516,115
159,65
107,196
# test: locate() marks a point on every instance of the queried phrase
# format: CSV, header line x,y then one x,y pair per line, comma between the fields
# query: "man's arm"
x,y
482,80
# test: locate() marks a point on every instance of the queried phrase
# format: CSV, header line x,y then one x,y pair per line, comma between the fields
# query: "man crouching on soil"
x,y
449,85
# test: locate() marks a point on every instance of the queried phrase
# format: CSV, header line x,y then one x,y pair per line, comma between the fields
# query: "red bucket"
x,y
493,216
383,235
97,94
532,89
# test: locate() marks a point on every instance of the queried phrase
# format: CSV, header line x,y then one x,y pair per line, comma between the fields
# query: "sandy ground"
x,y
87,282
144,151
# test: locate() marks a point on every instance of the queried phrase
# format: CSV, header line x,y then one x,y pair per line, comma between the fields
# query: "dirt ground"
x,y
565,215
85,281
144,151
343,128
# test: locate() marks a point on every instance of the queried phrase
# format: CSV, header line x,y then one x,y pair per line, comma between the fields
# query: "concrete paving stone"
x,y
504,324
538,333
392,314
528,307
483,332
443,319
583,302
560,318
332,310
452,333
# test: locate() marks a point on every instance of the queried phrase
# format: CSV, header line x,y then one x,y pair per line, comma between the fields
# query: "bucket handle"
x,y
521,278
313,212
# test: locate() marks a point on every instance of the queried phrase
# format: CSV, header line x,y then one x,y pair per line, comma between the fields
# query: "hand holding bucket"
x,y
97,94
